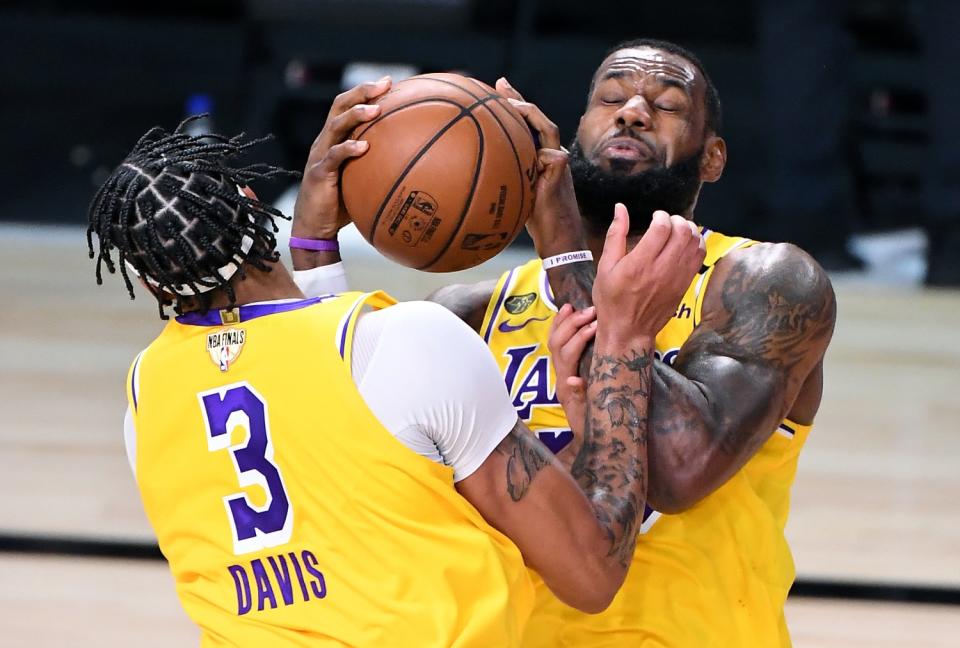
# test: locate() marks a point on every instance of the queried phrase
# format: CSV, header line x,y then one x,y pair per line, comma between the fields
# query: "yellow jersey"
x,y
289,515
715,575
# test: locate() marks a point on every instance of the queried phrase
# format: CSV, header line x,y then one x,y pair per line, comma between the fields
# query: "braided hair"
x,y
174,212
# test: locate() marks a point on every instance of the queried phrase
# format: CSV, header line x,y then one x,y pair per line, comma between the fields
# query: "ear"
x,y
714,159
157,293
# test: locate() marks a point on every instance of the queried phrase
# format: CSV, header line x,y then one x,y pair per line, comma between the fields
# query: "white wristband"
x,y
567,257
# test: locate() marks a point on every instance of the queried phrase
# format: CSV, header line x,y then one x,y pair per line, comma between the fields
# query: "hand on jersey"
x,y
637,292
570,333
319,211
555,225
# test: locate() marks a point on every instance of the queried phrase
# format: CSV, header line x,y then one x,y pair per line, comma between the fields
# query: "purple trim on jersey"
x,y
346,327
133,380
247,313
496,309
547,292
789,430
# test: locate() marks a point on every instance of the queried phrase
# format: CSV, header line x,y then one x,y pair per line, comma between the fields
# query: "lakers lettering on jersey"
x,y
715,575
289,515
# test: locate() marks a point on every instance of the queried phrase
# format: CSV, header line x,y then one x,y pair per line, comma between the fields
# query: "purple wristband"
x,y
316,245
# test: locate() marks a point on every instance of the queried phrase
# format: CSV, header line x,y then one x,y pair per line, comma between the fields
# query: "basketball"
x,y
447,181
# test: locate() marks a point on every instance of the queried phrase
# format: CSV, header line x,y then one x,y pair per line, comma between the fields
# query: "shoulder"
x,y
415,316
467,301
771,299
779,272
417,328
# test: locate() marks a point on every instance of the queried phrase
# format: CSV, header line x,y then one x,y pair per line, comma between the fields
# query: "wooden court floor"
x,y
875,499
105,603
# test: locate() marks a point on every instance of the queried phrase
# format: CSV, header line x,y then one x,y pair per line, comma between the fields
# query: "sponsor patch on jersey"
x,y
225,345
516,304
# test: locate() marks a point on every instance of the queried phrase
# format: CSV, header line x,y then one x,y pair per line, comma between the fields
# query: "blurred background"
x,y
840,119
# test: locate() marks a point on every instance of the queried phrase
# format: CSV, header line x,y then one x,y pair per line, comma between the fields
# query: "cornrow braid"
x,y
175,215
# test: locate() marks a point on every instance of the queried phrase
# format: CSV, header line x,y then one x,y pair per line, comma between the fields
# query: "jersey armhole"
x,y
133,382
791,430
348,324
701,287
496,303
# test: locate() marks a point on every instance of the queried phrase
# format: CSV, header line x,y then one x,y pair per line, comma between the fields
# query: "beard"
x,y
673,189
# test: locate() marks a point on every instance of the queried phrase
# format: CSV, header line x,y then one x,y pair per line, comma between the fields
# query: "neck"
x,y
256,286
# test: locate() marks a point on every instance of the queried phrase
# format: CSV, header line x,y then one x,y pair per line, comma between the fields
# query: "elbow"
x,y
595,604
675,491
591,600
598,581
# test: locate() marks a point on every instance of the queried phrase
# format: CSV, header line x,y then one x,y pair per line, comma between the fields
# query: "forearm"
x,y
313,282
699,437
316,229
573,284
611,464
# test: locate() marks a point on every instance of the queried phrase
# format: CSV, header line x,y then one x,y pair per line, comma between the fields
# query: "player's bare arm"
x,y
555,226
755,358
582,546
466,301
319,212
768,316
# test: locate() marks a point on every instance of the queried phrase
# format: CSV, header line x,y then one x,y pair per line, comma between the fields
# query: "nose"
x,y
634,113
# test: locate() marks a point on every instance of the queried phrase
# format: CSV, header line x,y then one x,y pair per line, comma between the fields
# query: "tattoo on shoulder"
x,y
526,456
777,313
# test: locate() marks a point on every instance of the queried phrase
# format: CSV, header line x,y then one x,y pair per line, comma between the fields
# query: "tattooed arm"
x,y
578,532
755,358
579,529
573,538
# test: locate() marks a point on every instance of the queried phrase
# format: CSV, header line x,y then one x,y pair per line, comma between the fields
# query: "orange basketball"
x,y
447,181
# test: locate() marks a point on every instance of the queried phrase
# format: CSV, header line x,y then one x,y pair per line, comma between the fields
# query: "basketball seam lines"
x,y
485,94
473,184
397,109
464,111
416,158
516,156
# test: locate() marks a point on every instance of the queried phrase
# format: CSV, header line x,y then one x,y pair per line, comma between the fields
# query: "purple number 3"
x,y
254,527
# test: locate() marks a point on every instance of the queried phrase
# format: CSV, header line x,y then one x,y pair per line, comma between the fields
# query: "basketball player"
x,y
738,373
308,485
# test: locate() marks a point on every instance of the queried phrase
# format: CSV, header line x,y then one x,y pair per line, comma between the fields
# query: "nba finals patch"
x,y
224,346
519,303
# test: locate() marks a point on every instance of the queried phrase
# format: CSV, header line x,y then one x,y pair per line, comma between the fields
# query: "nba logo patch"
x,y
224,346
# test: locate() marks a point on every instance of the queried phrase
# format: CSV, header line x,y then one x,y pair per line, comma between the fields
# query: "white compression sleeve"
x,y
130,440
325,280
430,381
433,384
